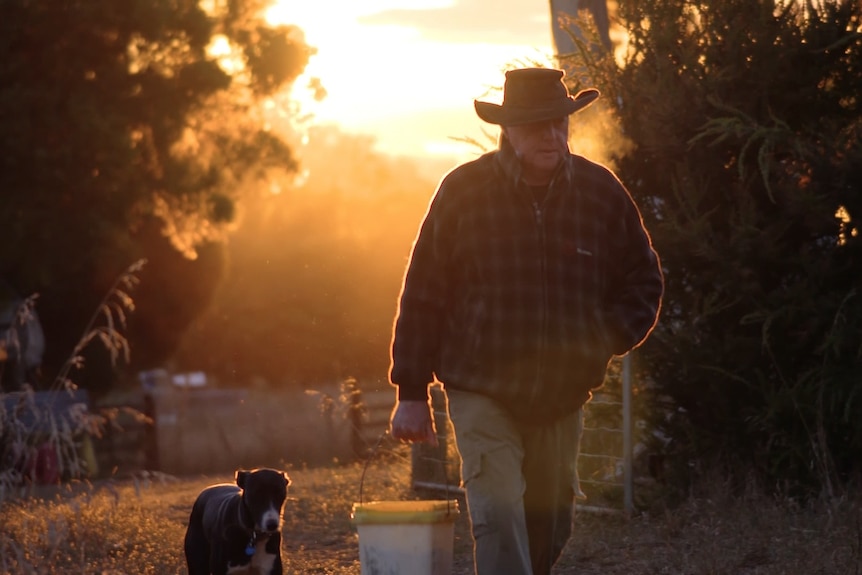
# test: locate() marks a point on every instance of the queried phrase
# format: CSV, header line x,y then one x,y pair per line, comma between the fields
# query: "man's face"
x,y
540,145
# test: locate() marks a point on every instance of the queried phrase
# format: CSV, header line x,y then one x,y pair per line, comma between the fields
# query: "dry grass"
x,y
136,526
721,535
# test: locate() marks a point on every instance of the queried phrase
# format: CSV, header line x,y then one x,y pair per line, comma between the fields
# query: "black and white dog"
x,y
236,529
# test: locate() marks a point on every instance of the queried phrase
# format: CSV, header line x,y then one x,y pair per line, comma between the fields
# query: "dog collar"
x,y
252,541
249,548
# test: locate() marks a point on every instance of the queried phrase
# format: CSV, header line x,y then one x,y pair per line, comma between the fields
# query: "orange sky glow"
x,y
408,77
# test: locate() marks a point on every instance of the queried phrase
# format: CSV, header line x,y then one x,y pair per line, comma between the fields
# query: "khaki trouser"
x,y
520,482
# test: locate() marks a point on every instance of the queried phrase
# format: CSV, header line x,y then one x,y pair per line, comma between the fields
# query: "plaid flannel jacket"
x,y
522,301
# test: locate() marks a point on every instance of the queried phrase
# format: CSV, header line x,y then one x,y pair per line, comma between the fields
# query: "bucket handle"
x,y
374,452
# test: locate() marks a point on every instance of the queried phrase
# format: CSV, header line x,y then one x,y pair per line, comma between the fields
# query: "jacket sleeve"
x,y
422,302
632,305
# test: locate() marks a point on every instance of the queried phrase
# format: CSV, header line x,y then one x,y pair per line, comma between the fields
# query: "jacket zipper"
x,y
543,324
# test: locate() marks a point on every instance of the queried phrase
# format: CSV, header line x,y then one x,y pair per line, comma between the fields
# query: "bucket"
x,y
405,537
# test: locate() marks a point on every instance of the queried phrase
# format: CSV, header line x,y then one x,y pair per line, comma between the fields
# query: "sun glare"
x,y
363,68
228,60
383,79
845,227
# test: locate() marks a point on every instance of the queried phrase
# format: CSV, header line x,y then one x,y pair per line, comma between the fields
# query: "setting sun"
x,y
390,73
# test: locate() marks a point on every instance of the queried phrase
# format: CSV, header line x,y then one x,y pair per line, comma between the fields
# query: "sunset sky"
x,y
408,76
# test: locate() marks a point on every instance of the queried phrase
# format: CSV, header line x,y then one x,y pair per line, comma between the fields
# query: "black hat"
x,y
534,95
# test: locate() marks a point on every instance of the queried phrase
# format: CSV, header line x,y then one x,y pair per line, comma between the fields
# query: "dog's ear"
x,y
241,476
286,478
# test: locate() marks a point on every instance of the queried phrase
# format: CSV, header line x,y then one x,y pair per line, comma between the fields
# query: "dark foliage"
x,y
121,134
747,122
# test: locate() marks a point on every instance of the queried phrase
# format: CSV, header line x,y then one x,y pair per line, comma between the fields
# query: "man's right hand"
x,y
413,421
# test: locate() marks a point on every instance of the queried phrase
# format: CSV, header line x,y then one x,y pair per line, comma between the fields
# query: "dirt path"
x,y
136,526
722,534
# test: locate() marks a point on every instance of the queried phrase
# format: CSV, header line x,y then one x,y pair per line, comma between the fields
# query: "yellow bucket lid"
x,y
424,511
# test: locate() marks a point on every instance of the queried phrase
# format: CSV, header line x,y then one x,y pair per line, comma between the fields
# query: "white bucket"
x,y
405,537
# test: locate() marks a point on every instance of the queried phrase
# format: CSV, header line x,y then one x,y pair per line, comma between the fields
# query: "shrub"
x,y
748,168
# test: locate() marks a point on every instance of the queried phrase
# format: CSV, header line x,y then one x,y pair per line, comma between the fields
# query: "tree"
x,y
747,122
564,27
124,126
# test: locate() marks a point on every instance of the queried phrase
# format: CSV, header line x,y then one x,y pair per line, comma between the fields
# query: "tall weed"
x,y
48,433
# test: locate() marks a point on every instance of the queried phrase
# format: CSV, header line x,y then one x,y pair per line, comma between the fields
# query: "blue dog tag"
x,y
249,549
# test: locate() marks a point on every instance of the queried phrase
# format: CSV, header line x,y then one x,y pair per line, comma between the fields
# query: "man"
x,y
531,269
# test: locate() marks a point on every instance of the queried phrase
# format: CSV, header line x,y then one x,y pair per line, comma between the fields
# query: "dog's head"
x,y
263,494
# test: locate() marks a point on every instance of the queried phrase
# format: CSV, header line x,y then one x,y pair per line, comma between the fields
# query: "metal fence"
x,y
605,462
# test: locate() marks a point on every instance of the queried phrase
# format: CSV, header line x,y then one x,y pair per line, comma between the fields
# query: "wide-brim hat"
x,y
534,95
